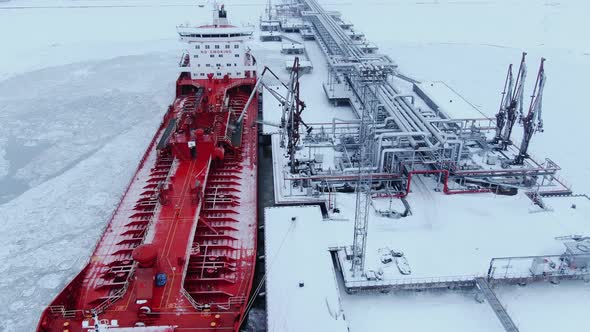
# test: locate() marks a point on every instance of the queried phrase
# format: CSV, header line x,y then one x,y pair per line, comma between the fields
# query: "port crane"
x,y
510,105
292,107
533,121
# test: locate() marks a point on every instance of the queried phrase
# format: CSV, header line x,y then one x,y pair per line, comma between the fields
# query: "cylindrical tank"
x,y
145,255
219,153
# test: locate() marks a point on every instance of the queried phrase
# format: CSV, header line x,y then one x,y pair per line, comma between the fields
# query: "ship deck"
x,y
200,214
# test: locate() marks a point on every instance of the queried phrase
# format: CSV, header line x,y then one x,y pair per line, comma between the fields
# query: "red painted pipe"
x,y
446,189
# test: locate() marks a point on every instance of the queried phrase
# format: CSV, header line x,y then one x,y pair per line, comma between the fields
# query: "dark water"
x,y
256,320
19,155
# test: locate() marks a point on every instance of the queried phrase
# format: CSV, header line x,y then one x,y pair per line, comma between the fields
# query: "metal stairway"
x,y
495,304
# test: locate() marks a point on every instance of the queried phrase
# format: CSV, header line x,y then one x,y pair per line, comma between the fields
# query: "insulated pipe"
x,y
420,120
406,125
389,150
393,97
341,120
416,115
430,127
254,92
446,189
384,123
401,122
397,135
356,169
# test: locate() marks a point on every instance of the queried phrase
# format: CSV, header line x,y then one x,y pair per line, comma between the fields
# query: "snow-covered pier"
x,y
402,127
382,147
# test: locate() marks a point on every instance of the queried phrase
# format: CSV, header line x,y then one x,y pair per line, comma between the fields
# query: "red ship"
x,y
179,251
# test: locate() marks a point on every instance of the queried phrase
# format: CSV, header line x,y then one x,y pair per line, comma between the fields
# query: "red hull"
x,y
180,249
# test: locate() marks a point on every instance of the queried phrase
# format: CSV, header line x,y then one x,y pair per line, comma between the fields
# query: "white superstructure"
x,y
217,50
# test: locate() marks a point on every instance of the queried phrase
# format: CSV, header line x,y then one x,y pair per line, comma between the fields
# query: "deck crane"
x,y
511,104
292,107
533,121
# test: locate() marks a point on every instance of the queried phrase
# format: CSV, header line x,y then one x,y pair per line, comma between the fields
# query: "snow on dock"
x,y
302,293
443,99
409,311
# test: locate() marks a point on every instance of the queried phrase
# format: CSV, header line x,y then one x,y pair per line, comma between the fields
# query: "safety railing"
x,y
426,282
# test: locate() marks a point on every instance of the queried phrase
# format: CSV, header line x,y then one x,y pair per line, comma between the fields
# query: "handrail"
x,y
411,281
121,291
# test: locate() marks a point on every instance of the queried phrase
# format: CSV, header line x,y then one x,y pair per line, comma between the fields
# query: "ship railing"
x,y
242,81
232,301
118,294
121,291
428,281
190,299
223,306
61,310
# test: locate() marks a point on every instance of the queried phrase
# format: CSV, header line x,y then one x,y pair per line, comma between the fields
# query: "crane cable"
x,y
261,283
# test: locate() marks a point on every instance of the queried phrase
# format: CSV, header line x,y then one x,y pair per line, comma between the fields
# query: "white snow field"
x,y
83,85
301,283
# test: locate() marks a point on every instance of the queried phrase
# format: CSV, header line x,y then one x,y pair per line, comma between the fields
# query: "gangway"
x,y
495,304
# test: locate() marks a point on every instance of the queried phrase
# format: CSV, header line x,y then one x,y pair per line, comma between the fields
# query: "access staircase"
x,y
495,304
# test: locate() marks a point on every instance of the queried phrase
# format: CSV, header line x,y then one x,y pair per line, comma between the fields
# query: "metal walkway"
x,y
498,308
